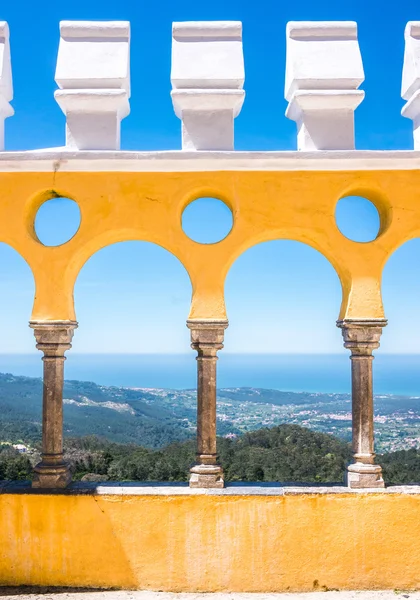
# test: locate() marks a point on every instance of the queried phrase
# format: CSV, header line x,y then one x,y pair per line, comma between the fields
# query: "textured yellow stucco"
x,y
209,543
297,205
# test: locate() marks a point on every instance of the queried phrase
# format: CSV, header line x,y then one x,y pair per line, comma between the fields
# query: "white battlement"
x,y
207,55
324,70
6,85
93,74
410,88
207,79
94,55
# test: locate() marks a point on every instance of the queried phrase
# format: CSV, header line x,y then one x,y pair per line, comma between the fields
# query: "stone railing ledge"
x,y
153,488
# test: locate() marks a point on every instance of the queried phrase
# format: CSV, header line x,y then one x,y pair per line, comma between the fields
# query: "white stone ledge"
x,y
182,489
207,100
95,29
313,30
67,161
231,30
325,100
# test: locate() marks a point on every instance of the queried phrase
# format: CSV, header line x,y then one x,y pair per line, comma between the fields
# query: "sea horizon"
x,y
397,374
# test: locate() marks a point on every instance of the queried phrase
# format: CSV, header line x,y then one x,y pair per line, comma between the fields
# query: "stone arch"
x,y
68,267
340,271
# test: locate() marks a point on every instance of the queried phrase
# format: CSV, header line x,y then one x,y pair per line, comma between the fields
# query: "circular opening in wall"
x,y
57,221
357,218
207,220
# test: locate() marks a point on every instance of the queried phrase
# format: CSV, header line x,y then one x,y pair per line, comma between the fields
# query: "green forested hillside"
x,y
287,453
89,409
283,453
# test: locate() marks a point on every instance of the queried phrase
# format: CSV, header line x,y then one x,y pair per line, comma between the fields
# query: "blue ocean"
x,y
393,374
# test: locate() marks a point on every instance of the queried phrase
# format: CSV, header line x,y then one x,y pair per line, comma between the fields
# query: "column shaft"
x,y
52,408
53,339
206,408
206,339
362,408
361,338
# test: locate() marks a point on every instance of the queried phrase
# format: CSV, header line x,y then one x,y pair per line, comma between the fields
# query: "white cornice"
x,y
181,161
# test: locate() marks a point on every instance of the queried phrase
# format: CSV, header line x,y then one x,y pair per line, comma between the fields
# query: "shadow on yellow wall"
x,y
208,543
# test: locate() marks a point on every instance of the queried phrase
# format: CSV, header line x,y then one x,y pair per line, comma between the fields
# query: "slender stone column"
x,y
53,339
361,338
207,339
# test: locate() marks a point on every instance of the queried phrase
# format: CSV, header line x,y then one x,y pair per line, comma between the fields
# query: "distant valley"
x,y
156,417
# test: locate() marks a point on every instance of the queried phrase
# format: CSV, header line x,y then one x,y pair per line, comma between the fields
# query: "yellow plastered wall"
x,y
208,543
297,205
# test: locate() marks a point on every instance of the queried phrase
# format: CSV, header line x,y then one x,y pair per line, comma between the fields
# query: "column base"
x,y
362,476
206,476
51,476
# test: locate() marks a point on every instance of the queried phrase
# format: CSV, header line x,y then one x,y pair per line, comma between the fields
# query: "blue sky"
x,y
282,296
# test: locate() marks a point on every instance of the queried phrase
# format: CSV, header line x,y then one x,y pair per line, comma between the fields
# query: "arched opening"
x,y
20,369
397,368
284,365
132,300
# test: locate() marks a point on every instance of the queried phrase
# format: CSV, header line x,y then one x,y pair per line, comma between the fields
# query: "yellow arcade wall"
x,y
298,205
208,542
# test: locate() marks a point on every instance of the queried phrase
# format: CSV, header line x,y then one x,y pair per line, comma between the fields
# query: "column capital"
x,y
362,336
207,334
53,337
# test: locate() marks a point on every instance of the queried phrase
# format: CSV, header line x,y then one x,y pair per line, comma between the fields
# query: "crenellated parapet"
x,y
324,71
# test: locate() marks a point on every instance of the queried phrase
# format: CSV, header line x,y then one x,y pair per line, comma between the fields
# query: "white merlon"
x,y
93,74
410,88
6,85
323,72
207,82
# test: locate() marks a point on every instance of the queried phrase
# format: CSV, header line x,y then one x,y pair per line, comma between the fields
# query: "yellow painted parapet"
x,y
181,541
271,195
